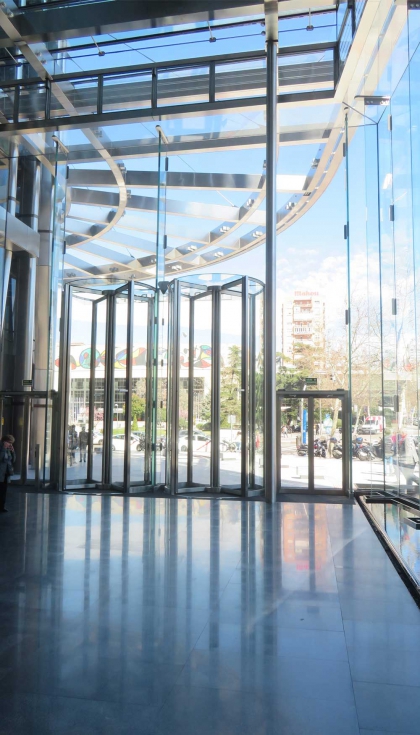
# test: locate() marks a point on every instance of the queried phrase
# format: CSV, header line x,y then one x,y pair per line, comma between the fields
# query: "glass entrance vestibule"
x,y
162,388
106,387
215,412
313,455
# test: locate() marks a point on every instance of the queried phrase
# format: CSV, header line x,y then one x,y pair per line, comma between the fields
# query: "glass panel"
x,y
241,79
56,105
230,387
404,291
328,448
79,388
120,391
183,367
37,416
126,91
82,94
389,344
315,70
32,102
7,97
259,388
161,387
180,85
139,389
345,41
294,461
202,389
56,290
415,173
99,388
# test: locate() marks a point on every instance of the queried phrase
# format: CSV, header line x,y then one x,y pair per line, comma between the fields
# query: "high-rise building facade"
x,y
303,324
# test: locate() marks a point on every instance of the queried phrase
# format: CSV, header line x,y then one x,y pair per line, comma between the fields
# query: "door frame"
x,y
311,396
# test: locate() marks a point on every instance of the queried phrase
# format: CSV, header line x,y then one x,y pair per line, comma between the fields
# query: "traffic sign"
x,y
311,381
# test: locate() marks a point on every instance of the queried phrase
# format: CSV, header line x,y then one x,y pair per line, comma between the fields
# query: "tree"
x,y
138,407
230,392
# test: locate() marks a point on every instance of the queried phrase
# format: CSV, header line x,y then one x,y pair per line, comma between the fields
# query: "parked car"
x,y
118,442
199,440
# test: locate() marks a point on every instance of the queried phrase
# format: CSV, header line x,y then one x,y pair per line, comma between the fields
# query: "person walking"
x,y
405,460
7,459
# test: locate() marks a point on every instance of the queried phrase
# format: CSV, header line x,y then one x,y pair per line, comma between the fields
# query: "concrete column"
x,y
43,275
42,303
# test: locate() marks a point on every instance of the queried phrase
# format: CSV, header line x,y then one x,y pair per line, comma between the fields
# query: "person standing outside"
x,y
83,442
7,459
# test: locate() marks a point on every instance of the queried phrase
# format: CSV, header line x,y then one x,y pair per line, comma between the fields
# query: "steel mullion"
x,y
25,440
64,384
92,390
245,439
190,394
311,458
149,394
252,389
278,442
174,419
128,385
215,389
109,391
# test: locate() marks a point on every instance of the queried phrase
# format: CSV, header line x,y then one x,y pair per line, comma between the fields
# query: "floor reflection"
x,y
150,603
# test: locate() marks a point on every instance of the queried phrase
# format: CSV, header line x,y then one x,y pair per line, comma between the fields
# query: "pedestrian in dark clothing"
x,y
7,458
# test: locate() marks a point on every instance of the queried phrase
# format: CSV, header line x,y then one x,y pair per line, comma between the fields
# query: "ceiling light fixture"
x,y
212,39
309,27
101,52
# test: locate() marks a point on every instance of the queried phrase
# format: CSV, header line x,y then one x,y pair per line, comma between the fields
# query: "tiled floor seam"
x,y
344,631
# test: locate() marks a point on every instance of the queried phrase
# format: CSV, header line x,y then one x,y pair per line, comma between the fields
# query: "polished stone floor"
x,y
154,616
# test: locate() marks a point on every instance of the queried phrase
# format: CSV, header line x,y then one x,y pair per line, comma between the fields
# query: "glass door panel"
x,y
183,367
79,387
100,315
202,361
294,443
231,387
257,419
139,388
328,444
119,390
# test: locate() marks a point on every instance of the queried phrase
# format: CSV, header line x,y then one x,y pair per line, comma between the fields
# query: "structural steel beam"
x,y
149,204
178,145
99,18
183,180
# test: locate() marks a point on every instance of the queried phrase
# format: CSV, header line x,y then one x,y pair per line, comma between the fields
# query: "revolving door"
x,y
215,408
106,385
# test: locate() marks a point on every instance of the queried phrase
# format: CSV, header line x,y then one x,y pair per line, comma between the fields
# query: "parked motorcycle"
x,y
361,451
320,449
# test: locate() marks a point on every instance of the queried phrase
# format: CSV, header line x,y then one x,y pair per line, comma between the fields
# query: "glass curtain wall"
x,y
383,203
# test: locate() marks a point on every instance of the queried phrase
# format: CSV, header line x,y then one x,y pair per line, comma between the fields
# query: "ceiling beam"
x,y
99,18
99,178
